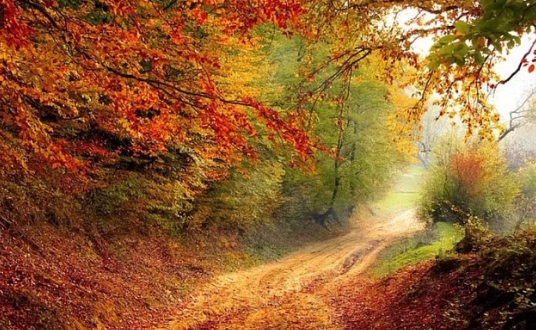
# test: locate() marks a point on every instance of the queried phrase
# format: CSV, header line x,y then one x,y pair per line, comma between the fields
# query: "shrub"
x,y
110,200
476,234
470,181
245,199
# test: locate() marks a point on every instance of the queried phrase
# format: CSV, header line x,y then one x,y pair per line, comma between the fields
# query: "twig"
x,y
502,82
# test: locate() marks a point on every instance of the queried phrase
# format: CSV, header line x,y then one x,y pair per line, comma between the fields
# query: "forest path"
x,y
291,293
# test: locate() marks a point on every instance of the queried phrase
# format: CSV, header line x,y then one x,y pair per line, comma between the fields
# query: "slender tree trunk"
x,y
352,157
336,167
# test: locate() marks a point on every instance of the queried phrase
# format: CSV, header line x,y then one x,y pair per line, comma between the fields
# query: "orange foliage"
x,y
84,83
467,168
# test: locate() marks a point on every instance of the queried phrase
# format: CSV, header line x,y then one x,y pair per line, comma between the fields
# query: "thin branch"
x,y
508,131
43,11
517,114
153,82
502,82
170,4
438,11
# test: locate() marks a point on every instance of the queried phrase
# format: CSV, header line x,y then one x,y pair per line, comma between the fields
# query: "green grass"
x,y
396,201
410,251
405,193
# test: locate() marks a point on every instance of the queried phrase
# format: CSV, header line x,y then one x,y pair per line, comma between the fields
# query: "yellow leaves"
x,y
402,123
243,69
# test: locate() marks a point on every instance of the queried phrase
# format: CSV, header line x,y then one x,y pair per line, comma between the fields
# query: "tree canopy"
x,y
183,88
90,83
469,39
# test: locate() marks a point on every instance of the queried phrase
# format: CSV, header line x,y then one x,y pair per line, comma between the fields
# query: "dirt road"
x,y
290,293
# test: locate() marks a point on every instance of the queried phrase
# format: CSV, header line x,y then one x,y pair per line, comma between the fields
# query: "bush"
x,y
417,248
245,199
470,181
476,234
109,201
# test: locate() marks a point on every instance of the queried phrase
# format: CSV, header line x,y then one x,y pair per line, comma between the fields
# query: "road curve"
x,y
282,294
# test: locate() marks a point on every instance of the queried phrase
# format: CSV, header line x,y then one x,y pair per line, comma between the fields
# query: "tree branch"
x,y
43,11
502,82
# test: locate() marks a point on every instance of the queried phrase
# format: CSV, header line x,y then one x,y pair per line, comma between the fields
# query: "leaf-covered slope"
x,y
491,287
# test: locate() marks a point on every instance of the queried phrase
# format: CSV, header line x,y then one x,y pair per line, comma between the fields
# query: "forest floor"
x,y
296,292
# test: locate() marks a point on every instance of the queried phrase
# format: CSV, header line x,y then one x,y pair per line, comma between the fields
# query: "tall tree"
x,y
357,121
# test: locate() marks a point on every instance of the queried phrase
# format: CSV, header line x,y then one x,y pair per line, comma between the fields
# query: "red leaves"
x,y
242,16
119,7
13,30
51,279
410,299
468,169
290,130
101,86
199,15
531,66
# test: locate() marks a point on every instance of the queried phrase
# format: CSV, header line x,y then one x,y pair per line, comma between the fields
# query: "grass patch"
x,y
396,201
411,250
404,194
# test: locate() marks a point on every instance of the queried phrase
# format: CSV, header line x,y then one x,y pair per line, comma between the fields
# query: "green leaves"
x,y
462,27
434,65
446,39
449,52
500,26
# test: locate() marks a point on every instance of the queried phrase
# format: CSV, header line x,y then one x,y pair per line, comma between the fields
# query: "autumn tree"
x,y
88,88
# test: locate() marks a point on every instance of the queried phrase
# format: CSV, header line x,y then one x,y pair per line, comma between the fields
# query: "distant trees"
x,y
358,124
363,160
431,128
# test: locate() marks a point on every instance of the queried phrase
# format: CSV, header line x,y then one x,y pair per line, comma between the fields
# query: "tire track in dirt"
x,y
278,295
